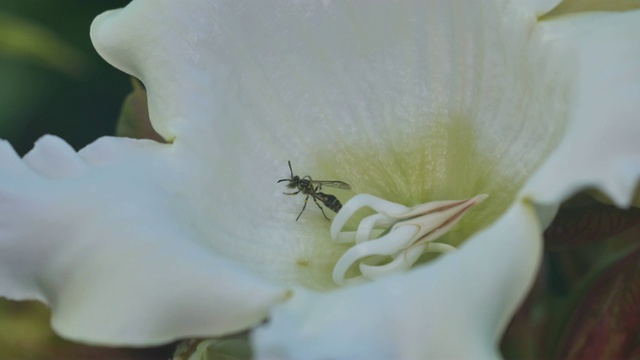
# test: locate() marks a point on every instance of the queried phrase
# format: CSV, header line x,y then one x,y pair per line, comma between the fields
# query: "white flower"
x,y
134,242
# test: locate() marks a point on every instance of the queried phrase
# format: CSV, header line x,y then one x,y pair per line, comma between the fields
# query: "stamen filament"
x,y
408,233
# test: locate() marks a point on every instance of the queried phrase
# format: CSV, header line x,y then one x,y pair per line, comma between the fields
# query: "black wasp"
x,y
310,187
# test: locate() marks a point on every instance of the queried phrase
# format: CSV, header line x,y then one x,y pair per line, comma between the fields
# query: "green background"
x,y
68,90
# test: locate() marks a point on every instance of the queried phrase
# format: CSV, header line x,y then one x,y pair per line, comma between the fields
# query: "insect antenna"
x,y
291,170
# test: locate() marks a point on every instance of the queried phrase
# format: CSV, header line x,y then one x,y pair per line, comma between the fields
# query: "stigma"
x,y
393,239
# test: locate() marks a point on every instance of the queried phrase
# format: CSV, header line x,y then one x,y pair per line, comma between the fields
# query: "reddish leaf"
x,y
587,224
606,323
524,335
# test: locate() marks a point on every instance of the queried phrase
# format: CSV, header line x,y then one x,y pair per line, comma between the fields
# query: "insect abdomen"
x,y
331,202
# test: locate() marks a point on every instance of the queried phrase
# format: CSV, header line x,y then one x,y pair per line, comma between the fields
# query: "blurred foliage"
x,y
231,347
28,41
606,318
51,79
584,302
25,334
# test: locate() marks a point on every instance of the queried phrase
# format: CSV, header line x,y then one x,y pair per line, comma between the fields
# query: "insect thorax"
x,y
304,183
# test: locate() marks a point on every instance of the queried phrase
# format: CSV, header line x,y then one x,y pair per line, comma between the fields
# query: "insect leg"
x,y
303,207
293,193
321,209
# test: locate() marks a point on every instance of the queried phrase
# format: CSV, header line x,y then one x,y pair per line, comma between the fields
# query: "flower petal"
x,y
367,83
95,236
601,149
448,309
401,100
537,7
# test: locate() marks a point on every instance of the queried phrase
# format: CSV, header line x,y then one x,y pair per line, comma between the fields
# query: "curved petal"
x,y
447,309
353,78
95,236
410,101
601,148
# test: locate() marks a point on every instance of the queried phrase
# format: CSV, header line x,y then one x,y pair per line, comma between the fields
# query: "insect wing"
x,y
332,183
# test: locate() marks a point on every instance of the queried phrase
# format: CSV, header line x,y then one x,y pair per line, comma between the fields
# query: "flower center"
x,y
393,239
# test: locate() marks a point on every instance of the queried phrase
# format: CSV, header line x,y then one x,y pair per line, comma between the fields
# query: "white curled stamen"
x,y
392,240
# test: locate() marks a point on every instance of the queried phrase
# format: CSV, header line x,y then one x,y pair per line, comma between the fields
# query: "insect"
x,y
310,187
